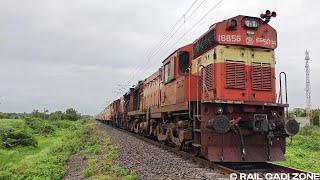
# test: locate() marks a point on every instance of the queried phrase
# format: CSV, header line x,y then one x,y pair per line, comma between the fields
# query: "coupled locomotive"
x,y
215,97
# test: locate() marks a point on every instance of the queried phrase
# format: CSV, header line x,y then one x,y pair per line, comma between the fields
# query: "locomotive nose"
x,y
292,127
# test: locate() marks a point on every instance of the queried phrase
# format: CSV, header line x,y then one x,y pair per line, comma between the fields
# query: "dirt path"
x,y
77,163
75,167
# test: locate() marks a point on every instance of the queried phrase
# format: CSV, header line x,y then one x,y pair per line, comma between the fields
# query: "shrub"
x,y
47,129
306,131
72,114
49,163
39,126
316,120
66,124
55,116
34,123
13,137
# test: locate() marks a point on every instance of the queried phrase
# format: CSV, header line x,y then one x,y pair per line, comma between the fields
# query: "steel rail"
x,y
223,167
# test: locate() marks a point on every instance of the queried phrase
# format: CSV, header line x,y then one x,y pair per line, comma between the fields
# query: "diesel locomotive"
x,y
215,97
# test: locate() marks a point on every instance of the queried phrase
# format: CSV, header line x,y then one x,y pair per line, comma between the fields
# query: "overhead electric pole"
x,y
308,89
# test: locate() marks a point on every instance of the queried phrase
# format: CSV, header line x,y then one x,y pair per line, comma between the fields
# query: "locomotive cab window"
x,y
168,71
184,62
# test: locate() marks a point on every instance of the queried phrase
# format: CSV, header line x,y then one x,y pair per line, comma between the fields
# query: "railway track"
x,y
258,170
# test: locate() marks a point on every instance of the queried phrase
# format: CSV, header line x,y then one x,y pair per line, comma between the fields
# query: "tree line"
x,y
69,114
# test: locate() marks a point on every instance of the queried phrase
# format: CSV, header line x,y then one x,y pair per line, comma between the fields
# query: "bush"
x,y
34,123
66,124
72,114
49,163
316,120
306,130
303,151
12,137
47,129
55,116
39,126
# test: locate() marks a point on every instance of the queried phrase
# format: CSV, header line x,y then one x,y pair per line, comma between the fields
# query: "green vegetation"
x,y
69,114
15,133
44,158
101,154
38,146
299,112
304,150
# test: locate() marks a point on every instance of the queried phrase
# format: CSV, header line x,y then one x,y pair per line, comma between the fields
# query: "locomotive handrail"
x,y
190,116
283,74
198,89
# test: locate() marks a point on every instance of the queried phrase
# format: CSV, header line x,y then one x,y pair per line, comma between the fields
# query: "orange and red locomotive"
x,y
215,97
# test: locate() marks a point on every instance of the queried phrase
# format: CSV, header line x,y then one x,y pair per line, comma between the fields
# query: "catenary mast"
x,y
308,89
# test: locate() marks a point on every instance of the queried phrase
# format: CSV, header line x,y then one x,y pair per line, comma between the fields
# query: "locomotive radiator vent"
x,y
235,74
208,77
261,76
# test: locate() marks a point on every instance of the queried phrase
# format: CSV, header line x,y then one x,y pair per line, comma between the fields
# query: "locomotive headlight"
x,y
219,110
274,113
251,23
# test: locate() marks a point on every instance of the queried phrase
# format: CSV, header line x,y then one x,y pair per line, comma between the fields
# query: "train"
x,y
215,97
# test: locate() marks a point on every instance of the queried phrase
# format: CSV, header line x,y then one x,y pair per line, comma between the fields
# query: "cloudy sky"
x,y
83,53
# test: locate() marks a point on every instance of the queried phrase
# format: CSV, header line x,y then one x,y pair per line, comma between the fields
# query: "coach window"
x,y
183,62
169,70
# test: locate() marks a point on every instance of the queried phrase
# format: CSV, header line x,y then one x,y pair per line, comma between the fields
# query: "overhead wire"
x,y
172,35
181,37
206,14
173,27
163,40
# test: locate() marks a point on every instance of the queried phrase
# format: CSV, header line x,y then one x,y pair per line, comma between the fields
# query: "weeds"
x,y
40,126
12,138
304,151
39,149
15,133
100,164
45,161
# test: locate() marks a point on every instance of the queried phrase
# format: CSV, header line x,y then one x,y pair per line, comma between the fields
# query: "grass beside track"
x,y
304,150
47,159
101,153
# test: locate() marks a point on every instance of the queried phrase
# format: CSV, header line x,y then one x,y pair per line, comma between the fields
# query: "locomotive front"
x,y
240,117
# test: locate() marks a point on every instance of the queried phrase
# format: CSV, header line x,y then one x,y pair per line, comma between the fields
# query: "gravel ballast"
x,y
152,162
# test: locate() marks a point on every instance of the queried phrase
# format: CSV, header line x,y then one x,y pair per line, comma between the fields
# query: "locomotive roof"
x,y
235,17
176,51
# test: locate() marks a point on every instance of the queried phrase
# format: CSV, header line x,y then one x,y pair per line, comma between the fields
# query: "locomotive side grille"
x,y
235,74
208,77
261,76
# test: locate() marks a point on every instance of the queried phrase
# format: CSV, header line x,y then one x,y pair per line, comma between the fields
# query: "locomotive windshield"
x,y
184,62
203,44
